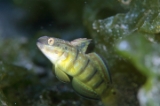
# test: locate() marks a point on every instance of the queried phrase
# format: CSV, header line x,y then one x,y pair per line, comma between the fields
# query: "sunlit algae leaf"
x,y
145,55
143,17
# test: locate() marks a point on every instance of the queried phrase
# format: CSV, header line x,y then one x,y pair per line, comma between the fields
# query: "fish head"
x,y
50,47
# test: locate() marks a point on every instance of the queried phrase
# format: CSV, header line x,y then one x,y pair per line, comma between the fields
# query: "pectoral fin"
x,y
84,90
62,76
101,65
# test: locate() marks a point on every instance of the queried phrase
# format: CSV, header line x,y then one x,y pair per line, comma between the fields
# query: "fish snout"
x,y
39,45
43,40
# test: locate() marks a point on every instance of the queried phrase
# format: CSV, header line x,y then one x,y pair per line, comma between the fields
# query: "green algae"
x,y
137,58
145,56
143,53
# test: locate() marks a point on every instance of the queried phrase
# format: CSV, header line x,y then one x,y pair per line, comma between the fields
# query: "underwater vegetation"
x,y
124,32
129,41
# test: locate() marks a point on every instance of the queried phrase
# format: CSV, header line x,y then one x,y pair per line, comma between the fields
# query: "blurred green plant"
x,y
145,55
139,19
3,101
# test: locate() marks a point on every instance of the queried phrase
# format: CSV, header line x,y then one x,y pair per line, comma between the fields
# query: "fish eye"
x,y
50,41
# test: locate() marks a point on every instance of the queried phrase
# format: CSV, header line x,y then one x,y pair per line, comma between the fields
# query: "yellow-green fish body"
x,y
87,73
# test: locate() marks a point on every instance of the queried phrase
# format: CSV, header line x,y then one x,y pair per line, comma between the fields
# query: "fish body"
x,y
87,73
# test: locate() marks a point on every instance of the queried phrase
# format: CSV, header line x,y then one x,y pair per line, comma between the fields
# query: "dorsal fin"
x,y
81,43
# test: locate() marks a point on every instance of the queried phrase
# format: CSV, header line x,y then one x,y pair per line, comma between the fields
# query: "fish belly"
x,y
87,80
92,78
75,64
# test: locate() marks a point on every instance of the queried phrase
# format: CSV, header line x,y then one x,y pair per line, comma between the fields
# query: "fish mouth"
x,y
42,41
39,45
